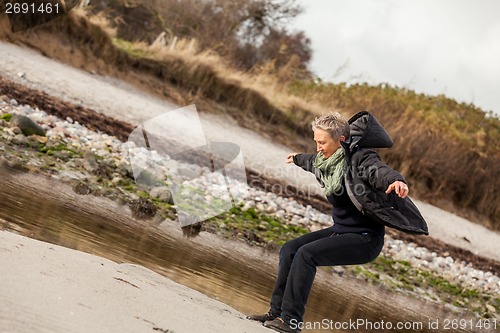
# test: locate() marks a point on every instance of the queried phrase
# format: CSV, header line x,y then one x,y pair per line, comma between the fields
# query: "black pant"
x,y
300,257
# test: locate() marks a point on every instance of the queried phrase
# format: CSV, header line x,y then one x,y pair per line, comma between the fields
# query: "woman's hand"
x,y
289,158
400,188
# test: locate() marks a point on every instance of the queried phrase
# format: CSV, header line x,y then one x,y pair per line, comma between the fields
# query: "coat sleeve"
x,y
372,170
305,161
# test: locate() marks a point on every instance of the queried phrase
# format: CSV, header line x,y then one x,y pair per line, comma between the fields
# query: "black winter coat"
x,y
367,177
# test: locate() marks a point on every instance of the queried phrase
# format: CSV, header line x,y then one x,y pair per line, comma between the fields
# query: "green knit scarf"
x,y
332,170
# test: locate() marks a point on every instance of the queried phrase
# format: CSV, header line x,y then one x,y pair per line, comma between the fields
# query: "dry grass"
x,y
211,69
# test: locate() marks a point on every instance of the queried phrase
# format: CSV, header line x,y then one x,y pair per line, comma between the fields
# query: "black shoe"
x,y
263,317
279,325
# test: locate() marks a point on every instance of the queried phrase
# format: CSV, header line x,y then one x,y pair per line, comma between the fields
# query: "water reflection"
x,y
32,206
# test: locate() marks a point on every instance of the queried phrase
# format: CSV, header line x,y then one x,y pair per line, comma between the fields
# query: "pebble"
x,y
491,308
102,149
20,139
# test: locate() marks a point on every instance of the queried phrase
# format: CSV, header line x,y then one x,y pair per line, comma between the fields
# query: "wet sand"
x,y
49,288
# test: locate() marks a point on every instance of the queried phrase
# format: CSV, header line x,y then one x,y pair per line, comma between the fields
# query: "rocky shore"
x,y
99,164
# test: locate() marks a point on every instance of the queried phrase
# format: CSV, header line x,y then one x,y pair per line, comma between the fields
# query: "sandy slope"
x,y
48,288
122,101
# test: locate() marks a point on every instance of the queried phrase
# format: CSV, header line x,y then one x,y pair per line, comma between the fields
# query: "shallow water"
x,y
35,207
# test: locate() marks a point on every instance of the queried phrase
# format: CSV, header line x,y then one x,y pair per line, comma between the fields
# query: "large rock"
x,y
27,125
162,193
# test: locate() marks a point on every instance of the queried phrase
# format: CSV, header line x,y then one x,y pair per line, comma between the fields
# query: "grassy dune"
x,y
448,151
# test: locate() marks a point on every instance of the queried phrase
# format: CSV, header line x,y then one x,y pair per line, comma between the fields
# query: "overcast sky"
x,y
449,47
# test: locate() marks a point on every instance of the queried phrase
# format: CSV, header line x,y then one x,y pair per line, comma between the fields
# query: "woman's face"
x,y
325,144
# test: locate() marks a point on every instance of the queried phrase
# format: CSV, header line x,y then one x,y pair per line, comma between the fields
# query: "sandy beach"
x,y
49,288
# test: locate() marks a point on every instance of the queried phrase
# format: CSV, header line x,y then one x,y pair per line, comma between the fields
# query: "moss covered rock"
x,y
27,125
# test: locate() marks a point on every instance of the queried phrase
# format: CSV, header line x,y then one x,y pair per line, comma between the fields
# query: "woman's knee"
x,y
305,256
289,248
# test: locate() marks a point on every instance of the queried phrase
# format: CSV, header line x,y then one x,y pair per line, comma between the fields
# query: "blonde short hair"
x,y
333,123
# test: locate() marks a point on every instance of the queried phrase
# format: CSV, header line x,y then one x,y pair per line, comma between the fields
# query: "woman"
x,y
365,194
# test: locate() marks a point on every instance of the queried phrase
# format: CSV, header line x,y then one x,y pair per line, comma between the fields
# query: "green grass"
x,y
256,227
401,275
58,147
6,116
130,48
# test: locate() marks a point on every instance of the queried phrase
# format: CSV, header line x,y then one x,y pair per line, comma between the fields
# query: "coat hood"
x,y
366,132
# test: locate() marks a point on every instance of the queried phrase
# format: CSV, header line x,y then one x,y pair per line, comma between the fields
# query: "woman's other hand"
x,y
289,158
400,188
